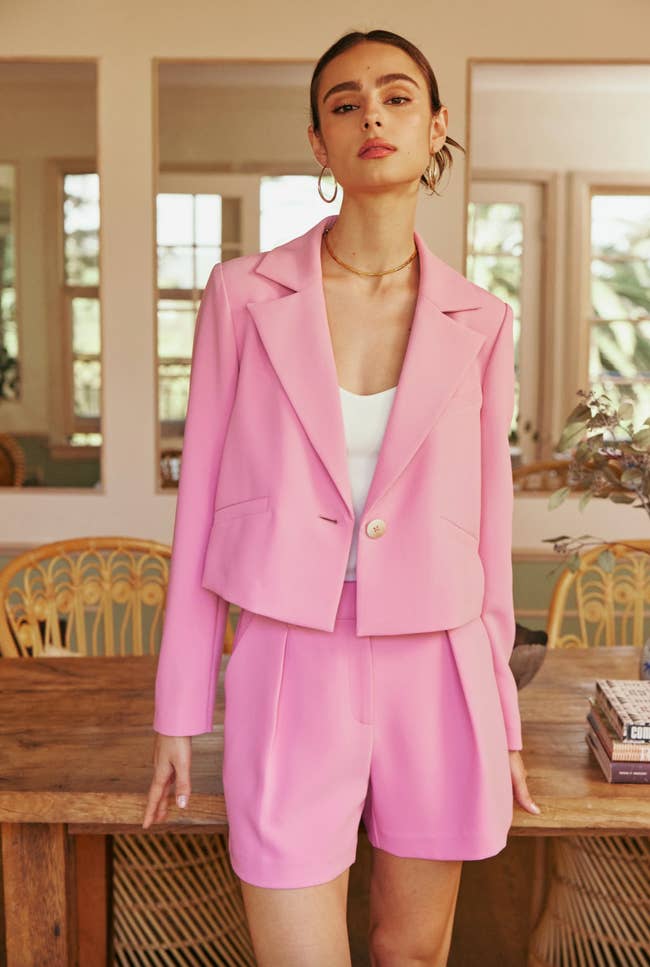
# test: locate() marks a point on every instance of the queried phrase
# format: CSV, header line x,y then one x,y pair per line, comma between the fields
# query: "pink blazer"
x,y
264,515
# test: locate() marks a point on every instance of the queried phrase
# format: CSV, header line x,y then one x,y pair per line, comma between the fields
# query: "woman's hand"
x,y
172,757
519,774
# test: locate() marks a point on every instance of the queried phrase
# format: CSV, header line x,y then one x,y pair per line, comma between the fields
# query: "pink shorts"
x,y
324,729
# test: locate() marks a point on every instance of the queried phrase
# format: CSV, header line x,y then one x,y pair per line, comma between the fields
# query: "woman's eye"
x,y
396,97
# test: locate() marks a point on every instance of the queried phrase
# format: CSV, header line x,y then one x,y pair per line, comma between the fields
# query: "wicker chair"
x,y
541,476
598,904
175,897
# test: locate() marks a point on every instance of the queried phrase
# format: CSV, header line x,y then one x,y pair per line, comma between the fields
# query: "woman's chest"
x,y
369,338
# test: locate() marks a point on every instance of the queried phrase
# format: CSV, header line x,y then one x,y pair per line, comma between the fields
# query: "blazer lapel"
x,y
295,333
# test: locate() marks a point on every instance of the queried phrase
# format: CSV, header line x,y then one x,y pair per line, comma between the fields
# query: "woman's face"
x,y
353,90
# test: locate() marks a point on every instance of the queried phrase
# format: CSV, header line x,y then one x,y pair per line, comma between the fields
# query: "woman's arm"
x,y
497,502
195,618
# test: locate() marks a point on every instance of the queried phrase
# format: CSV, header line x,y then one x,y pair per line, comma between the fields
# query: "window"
x,y
81,306
619,324
194,231
9,370
494,261
505,255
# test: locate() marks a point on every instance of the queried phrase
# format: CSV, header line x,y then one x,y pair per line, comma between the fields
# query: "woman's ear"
x,y
317,146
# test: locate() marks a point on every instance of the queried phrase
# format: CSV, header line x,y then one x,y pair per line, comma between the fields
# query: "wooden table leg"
x,y
37,874
92,892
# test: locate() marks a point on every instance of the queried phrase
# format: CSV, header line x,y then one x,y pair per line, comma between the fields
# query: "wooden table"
x,y
75,764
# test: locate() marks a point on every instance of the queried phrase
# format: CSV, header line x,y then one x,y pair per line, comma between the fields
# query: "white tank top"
x,y
364,419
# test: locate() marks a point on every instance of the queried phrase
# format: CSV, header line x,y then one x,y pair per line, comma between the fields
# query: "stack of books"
x,y
618,728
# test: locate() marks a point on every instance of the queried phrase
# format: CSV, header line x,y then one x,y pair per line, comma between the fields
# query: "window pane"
x,y
620,225
9,371
619,352
85,326
87,383
176,267
81,228
620,288
176,319
494,261
173,390
208,220
495,228
189,233
620,349
174,219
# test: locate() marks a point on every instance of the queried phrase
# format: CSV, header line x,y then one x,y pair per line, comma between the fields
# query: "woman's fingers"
x,y
519,784
163,801
171,760
157,792
182,767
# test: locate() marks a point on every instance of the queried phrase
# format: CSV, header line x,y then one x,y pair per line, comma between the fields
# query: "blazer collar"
x,y
295,332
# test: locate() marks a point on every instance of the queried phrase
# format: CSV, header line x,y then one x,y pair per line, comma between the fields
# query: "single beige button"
x,y
376,527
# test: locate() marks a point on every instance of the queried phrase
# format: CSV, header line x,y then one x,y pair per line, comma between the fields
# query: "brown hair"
x,y
443,156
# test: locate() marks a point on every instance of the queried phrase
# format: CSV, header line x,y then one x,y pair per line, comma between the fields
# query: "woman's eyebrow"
x,y
356,86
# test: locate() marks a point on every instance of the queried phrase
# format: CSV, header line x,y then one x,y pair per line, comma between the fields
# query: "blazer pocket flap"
x,y
460,530
252,505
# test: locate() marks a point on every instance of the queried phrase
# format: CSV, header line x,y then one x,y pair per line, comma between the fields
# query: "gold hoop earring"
x,y
320,191
431,172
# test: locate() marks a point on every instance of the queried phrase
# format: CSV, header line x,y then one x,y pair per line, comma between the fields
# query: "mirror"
x,y
50,331
225,188
559,227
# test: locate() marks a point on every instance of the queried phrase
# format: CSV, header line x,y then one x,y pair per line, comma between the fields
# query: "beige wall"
x,y
125,37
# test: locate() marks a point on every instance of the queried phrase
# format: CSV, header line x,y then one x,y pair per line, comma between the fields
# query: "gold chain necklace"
x,y
359,271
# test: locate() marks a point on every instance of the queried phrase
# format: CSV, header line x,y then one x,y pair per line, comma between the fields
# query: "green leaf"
x,y
626,410
584,500
558,496
581,412
641,439
632,476
571,435
618,498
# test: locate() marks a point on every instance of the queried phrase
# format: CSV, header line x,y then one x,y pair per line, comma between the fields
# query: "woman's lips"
x,y
376,152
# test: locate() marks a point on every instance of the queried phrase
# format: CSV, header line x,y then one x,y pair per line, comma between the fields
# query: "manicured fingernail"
x,y
181,801
535,807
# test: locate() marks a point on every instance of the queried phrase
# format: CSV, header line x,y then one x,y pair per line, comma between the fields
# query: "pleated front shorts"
x,y
324,729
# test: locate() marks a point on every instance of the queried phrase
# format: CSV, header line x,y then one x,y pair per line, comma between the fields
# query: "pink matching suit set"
x,y
387,698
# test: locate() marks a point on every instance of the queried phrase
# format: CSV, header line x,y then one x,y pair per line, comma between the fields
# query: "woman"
x,y
369,675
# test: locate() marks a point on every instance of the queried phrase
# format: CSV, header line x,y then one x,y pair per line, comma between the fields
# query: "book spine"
x,y
634,772
610,713
617,749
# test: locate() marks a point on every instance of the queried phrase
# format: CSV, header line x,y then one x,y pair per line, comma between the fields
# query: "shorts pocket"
x,y
243,624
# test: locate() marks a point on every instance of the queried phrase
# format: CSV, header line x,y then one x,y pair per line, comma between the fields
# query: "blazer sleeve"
x,y
195,618
497,504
